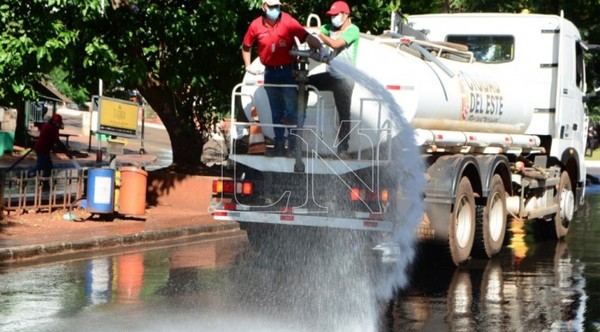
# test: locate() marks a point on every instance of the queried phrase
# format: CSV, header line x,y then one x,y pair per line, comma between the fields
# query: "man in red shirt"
x,y
273,34
44,144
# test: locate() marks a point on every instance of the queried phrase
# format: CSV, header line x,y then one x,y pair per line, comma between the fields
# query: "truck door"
x,y
570,113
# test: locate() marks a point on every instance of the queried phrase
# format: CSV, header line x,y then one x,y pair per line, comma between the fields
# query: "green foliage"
x,y
30,42
184,54
61,81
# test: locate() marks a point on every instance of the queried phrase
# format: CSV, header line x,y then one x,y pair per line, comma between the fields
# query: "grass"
x,y
595,157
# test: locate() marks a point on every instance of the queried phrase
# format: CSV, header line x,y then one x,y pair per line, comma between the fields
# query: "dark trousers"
x,y
283,101
342,92
43,163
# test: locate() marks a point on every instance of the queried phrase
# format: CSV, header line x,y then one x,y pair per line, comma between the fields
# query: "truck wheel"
x,y
566,203
491,225
461,232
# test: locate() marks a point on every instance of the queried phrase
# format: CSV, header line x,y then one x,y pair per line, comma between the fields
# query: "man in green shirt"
x,y
342,36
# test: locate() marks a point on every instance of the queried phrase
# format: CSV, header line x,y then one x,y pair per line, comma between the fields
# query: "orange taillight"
x,y
217,186
354,194
369,196
231,187
247,188
384,197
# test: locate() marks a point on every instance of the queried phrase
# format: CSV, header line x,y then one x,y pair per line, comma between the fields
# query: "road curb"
x,y
27,252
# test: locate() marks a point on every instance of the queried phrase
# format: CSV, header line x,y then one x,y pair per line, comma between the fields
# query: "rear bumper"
x,y
304,220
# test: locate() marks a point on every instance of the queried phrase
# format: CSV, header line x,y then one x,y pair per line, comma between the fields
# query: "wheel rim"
x,y
496,218
567,206
463,223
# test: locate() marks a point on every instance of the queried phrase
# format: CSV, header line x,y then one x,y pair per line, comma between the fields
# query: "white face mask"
x,y
337,20
273,13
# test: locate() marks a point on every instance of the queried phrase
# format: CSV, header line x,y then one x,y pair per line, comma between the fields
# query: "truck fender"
x,y
570,162
490,165
443,176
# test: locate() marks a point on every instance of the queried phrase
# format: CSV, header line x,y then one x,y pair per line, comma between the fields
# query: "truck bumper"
x,y
304,220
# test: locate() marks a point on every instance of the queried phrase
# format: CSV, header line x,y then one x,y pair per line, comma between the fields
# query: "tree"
x,y
30,42
182,56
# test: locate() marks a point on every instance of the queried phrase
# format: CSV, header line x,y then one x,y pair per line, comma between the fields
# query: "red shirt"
x,y
275,42
48,136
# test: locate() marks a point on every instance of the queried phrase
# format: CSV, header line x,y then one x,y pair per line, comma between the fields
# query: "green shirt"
x,y
350,35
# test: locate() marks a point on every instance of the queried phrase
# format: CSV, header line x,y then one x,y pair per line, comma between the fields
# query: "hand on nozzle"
x,y
324,54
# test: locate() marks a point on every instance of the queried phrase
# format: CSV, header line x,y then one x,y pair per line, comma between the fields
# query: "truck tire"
x,y
491,224
461,231
566,203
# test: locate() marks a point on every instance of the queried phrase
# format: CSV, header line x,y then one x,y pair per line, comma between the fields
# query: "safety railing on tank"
x,y
235,124
382,129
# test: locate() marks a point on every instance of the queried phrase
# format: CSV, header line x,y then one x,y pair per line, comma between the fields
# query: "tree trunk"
x,y
21,130
186,140
446,6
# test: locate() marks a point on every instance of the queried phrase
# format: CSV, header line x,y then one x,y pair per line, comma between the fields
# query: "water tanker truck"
x,y
496,103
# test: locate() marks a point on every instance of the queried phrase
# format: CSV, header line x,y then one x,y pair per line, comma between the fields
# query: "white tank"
x,y
438,94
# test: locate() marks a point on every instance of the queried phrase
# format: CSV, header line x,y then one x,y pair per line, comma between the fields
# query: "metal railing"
x,y
372,107
61,190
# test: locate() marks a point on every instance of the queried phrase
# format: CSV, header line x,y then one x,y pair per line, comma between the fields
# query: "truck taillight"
x,y
217,186
369,196
247,188
223,187
231,187
354,194
384,196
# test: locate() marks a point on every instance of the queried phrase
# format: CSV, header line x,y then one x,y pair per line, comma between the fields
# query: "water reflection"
x,y
543,289
326,286
98,280
108,292
189,267
130,278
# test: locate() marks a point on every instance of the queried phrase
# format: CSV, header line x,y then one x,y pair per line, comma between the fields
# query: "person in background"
x,y
46,140
273,35
342,36
591,139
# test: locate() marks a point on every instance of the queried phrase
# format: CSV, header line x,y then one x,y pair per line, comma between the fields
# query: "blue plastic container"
x,y
101,190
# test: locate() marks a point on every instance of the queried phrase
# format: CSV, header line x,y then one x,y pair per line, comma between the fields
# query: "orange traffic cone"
x,y
257,138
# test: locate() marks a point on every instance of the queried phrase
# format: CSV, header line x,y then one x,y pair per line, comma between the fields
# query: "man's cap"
x,y
272,2
338,7
57,118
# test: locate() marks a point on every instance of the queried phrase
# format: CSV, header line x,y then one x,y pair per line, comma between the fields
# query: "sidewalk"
x,y
173,214
40,235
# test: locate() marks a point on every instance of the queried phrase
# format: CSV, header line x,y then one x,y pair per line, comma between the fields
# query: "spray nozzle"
x,y
315,55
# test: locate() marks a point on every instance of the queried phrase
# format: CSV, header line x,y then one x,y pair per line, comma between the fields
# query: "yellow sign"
x,y
118,117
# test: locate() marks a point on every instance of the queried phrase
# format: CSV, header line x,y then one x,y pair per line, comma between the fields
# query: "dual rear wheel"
x,y
481,230
477,229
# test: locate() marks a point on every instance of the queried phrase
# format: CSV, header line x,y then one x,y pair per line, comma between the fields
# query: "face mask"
x,y
273,13
337,20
